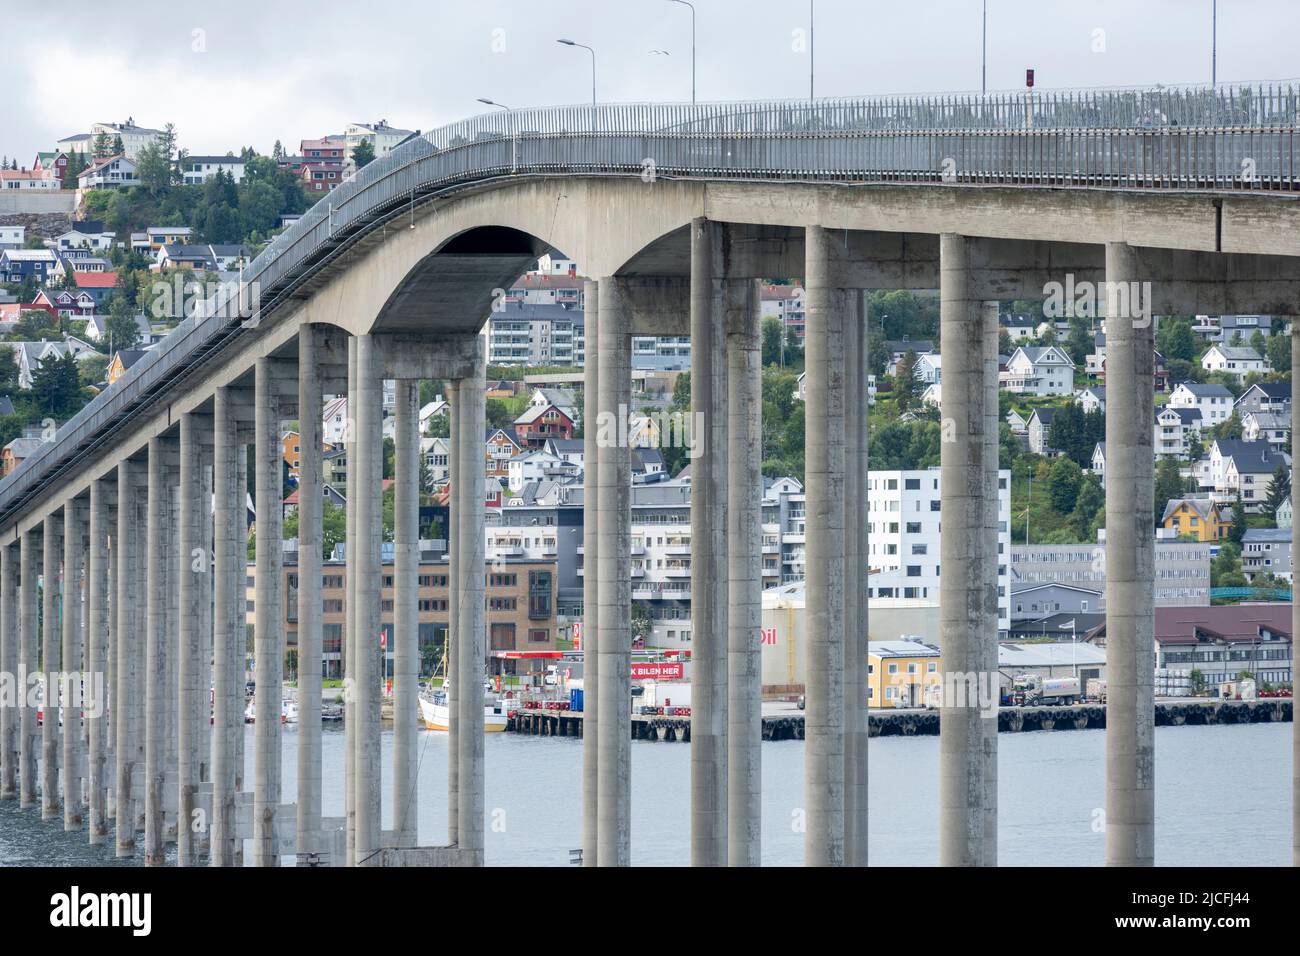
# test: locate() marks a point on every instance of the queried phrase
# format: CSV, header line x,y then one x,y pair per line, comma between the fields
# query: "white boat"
x,y
435,707
288,711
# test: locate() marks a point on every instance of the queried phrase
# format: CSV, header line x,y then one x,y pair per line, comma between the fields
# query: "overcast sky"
x,y
249,72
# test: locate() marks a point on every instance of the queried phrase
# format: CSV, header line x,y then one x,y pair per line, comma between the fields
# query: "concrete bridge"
x,y
1139,202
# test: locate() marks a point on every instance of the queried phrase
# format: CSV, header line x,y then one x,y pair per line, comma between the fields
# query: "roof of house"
x,y
22,447
901,346
228,160
168,231
1201,504
1275,391
100,164
1229,621
1267,535
1249,457
1037,353
95,280
6,405
1238,353
129,357
1272,420
1044,415
1205,391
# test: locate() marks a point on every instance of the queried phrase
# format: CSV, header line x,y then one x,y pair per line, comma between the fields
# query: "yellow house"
x,y
1198,516
898,673
121,361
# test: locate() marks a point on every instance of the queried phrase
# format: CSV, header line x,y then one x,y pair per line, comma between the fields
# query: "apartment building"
x,y
1182,569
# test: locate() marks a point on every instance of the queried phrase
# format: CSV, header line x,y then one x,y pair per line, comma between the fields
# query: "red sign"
x,y
577,635
768,636
383,640
664,671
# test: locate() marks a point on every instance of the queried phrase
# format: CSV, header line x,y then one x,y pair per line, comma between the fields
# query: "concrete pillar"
x,y
73,556
239,653
989,543
311,633
471,395
192,661
228,625
350,604
856,554
28,666
51,654
590,578
744,543
365,472
969,567
453,615
9,665
1295,605
824,561
708,546
126,696
1130,568
158,495
614,504
406,610
98,726
269,616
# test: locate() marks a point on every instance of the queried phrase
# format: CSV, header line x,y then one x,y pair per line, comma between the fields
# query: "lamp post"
x,y
686,3
593,65
500,106
984,47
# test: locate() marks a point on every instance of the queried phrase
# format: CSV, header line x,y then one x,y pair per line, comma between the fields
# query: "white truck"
x,y
1030,690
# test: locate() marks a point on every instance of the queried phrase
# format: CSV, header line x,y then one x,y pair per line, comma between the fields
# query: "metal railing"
x,y
1229,138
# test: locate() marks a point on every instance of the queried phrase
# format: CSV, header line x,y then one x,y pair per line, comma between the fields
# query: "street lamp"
x,y
812,45
593,65
487,102
685,3
984,47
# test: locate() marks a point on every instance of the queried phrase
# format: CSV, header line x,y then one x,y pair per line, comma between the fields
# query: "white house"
x,y
1272,427
1092,399
1099,462
1214,401
1234,466
108,173
12,237
1237,361
536,466
199,169
437,458
1170,436
87,234
437,408
1038,426
334,421
1039,370
382,136
929,368
28,179
134,138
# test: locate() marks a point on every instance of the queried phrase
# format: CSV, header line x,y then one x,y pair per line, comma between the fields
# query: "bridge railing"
x,y
1233,137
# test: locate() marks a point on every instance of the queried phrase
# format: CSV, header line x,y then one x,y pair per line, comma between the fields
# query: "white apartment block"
x,y
903,527
1039,370
1214,402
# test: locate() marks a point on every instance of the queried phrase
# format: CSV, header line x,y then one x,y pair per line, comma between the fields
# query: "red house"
x,y
540,422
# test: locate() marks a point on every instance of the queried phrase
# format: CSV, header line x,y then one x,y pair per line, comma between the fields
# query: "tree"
x,y
1080,342
1176,340
153,167
56,387
121,329
363,154
1169,484
1279,490
1230,427
1279,353
277,151
1075,433
1238,530
1088,507
1063,485
907,387
118,146
102,146
772,336
498,414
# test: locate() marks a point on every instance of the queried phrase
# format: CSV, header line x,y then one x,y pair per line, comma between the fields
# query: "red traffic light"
x,y
1029,78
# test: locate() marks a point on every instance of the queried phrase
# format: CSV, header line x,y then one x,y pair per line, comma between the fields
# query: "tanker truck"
x,y
1030,690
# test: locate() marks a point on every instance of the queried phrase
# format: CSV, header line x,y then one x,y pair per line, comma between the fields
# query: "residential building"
x,y
19,265
899,672
85,234
328,150
12,237
382,137
903,529
30,355
1092,399
160,236
134,137
1272,427
1182,569
524,333
1237,361
19,449
500,446
321,177
199,169
537,423
785,302
1039,427
170,257
122,361
1264,397
535,466
1214,401
1235,467
1266,551
1199,516
1040,600
1039,370
1020,328
1172,437
28,179
110,172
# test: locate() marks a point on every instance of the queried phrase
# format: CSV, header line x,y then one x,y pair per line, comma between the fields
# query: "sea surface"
x,y
1222,796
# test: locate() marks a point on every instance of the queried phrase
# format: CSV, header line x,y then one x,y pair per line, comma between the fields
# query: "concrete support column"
x,y
1295,605
614,614
227,626
406,610
239,653
453,615
29,666
311,633
989,543
471,395
158,493
195,578
708,546
127,670
744,543
350,606
856,553
51,654
968,573
269,615
9,664
97,660
590,578
1130,568
73,556
365,472
824,556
